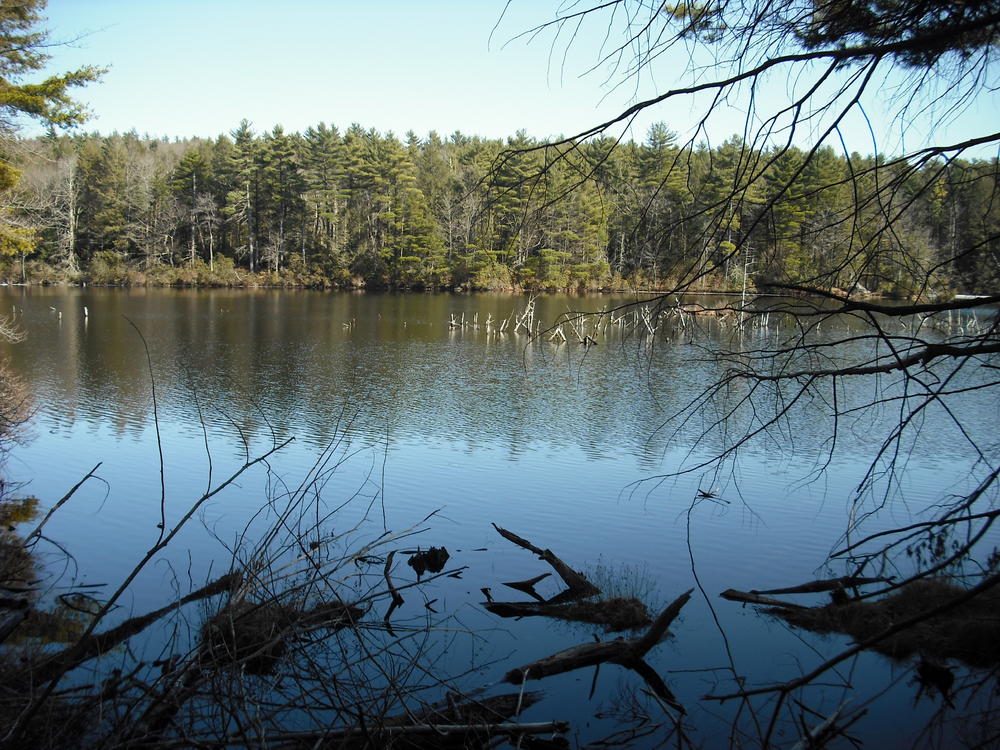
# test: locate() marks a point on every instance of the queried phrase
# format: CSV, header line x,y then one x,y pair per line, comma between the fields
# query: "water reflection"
x,y
543,437
296,356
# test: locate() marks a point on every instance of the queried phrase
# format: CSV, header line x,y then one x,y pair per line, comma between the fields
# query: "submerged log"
x,y
628,653
614,614
752,597
831,584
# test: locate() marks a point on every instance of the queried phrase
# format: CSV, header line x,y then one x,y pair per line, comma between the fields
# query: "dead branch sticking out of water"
x,y
628,653
397,599
828,729
836,586
576,583
576,603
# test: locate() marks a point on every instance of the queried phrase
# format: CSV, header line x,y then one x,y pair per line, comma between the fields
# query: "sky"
x,y
183,68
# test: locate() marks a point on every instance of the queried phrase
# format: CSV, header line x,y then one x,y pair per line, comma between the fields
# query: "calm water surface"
x,y
547,439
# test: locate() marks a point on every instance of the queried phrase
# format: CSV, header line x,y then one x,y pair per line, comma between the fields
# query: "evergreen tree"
x,y
323,171
23,48
242,197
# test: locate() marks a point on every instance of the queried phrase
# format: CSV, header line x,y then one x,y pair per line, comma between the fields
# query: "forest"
x,y
362,209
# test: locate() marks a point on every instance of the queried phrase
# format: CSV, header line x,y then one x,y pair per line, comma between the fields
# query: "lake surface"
x,y
451,429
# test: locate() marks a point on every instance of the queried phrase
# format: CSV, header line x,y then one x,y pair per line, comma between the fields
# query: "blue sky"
x,y
196,68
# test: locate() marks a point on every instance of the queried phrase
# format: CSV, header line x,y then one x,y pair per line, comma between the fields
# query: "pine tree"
x,y
242,197
323,171
23,48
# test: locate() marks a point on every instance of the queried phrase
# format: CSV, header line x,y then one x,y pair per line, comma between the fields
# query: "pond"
x,y
437,422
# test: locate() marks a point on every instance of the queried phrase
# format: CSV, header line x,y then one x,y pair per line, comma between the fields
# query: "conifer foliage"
x,y
22,53
361,208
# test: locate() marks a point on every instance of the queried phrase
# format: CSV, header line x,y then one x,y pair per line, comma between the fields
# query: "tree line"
x,y
360,208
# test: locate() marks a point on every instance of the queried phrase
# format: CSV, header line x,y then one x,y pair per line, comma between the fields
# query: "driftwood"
x,y
628,653
832,584
576,582
528,587
614,614
752,597
577,603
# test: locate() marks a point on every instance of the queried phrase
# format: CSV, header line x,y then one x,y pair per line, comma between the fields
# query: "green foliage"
x,y
109,267
326,209
22,52
23,48
492,276
919,33
16,240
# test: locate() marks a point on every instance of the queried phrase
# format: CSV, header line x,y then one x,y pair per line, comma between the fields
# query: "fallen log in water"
x,y
577,603
830,584
751,597
965,628
834,585
628,653
578,585
614,614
